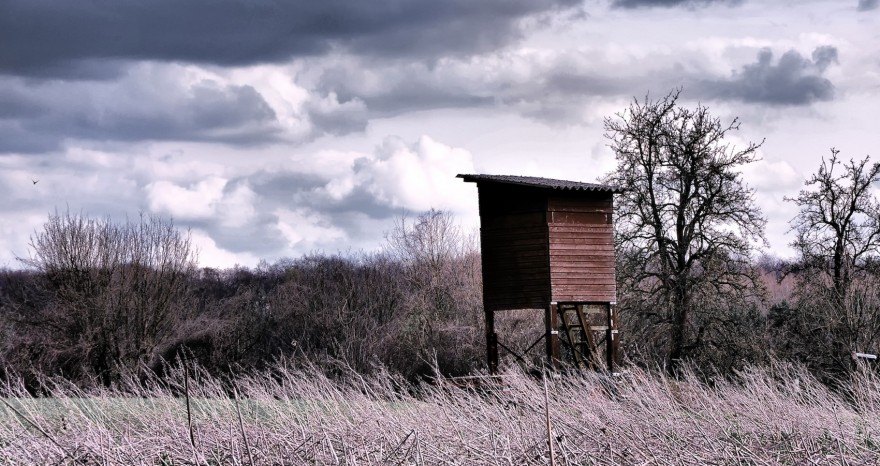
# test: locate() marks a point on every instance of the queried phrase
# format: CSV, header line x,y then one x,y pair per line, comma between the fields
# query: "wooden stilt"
x,y
551,324
491,343
613,338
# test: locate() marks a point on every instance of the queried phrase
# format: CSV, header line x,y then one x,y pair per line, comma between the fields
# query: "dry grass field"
x,y
778,415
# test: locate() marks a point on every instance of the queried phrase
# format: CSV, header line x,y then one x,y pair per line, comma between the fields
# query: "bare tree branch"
x,y
687,224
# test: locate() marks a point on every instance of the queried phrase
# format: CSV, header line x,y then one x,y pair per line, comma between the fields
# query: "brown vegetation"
x,y
100,298
777,415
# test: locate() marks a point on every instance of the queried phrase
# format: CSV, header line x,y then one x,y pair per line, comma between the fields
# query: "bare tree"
x,y
837,300
117,291
838,226
687,223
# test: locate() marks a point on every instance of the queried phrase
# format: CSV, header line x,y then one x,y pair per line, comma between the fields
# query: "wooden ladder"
x,y
580,334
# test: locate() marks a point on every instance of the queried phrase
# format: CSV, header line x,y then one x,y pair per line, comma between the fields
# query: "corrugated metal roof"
x,y
541,183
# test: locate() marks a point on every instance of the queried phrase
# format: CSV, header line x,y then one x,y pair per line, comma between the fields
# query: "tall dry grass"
x,y
287,416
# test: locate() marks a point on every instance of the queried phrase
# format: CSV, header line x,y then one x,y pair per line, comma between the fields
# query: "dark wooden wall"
x,y
542,245
515,247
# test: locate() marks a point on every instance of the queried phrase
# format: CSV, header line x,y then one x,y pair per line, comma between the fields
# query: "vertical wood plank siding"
x,y
515,247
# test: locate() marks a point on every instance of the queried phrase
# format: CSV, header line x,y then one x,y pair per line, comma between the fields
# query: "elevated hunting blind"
x,y
547,244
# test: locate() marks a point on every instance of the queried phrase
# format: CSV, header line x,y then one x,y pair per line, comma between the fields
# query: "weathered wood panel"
x,y
585,280
572,272
560,236
580,218
515,254
580,244
515,223
542,245
581,249
579,205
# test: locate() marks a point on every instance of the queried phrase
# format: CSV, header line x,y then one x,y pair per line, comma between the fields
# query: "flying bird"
x,y
35,181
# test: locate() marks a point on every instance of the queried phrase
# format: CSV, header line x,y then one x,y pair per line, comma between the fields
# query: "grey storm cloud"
x,y
52,38
281,189
15,138
867,5
671,3
209,112
556,92
259,236
39,118
403,89
792,80
415,96
330,116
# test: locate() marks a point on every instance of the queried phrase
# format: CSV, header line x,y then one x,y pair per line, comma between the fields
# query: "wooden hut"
x,y
547,244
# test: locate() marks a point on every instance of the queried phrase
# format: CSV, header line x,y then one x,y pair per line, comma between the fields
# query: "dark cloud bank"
x,y
38,118
867,5
65,38
556,94
671,3
792,80
50,45
100,40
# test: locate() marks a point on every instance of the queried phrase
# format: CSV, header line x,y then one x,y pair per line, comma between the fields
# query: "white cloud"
x,y
175,163
237,206
303,228
198,201
15,232
416,176
772,177
211,199
212,255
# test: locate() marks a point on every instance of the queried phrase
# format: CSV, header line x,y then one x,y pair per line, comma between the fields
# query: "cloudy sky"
x,y
274,128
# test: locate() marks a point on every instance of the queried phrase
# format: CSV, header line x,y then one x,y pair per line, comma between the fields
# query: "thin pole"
x,y
547,417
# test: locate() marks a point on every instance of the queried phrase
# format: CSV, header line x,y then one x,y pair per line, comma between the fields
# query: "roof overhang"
x,y
544,183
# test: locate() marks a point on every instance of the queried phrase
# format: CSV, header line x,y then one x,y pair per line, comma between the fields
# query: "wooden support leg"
x,y
491,343
551,324
612,339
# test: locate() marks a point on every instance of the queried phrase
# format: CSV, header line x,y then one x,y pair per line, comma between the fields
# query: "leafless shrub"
x,y
821,330
111,293
442,290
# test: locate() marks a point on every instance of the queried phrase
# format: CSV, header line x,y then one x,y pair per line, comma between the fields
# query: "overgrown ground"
x,y
778,415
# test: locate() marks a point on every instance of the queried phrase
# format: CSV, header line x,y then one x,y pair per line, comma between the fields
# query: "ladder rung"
x,y
597,328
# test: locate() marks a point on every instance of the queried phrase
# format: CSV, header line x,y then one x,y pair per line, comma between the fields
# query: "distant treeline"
x,y
97,299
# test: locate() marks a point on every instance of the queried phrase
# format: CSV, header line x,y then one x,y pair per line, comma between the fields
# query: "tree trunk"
x,y
678,333
839,277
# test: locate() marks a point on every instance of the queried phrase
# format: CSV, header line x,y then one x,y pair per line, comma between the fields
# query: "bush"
x,y
109,294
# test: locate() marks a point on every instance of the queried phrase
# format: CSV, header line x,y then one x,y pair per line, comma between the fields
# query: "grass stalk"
x,y
547,418
247,447
39,429
189,423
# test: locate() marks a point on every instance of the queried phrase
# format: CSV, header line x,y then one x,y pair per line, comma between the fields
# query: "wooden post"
x,y
612,339
551,325
491,343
